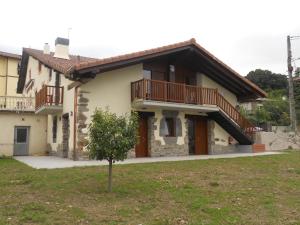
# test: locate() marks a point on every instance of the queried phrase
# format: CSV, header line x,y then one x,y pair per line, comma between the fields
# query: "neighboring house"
x,y
185,96
252,106
19,124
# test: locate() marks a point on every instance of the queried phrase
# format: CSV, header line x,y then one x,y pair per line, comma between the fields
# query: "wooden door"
x,y
201,137
141,148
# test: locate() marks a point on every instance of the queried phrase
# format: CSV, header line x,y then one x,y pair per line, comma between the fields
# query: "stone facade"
x,y
82,132
170,147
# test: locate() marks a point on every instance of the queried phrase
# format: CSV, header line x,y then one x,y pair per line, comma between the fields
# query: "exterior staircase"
x,y
232,128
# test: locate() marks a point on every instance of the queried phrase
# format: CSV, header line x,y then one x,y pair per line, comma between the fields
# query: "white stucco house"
x,y
186,99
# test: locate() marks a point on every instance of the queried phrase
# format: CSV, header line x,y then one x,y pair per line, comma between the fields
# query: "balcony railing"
x,y
181,93
49,96
13,103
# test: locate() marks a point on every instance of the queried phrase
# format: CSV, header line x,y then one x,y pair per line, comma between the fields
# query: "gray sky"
x,y
244,34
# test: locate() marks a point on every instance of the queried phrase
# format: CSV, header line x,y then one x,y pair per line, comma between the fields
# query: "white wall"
x,y
43,78
40,77
205,81
37,133
112,89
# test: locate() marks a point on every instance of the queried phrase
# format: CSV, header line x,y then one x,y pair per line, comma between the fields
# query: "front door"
x,y
66,134
141,148
201,137
21,139
197,134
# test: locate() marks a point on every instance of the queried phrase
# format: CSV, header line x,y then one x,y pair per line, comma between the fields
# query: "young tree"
x,y
111,137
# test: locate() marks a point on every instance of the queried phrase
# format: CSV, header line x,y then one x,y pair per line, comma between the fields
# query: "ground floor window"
x,y
171,127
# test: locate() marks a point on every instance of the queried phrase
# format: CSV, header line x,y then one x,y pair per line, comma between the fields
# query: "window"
x,y
171,127
21,135
54,129
171,73
147,74
50,74
40,67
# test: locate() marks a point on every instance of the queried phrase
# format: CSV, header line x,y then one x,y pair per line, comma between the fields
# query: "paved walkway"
x,y
52,162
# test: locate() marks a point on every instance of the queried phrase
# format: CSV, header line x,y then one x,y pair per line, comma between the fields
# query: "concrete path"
x,y
52,162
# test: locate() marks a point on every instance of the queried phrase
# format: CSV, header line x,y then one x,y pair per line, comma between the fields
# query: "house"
x,y
251,106
17,117
186,98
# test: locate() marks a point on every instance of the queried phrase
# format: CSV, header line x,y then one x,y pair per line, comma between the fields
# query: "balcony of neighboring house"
x,y
49,100
17,104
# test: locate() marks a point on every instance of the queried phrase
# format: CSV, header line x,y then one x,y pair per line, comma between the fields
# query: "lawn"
x,y
254,190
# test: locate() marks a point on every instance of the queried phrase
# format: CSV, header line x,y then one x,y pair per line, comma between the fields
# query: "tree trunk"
x,y
110,175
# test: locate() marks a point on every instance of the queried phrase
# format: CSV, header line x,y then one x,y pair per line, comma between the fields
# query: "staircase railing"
x,y
181,93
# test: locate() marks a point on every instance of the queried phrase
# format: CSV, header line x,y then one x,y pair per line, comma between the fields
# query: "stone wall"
x,y
278,139
81,126
169,146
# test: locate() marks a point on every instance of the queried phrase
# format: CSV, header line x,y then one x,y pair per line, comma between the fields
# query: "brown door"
x,y
141,149
201,138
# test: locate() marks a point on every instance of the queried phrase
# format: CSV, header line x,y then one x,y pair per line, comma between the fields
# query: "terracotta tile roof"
x,y
191,42
61,65
133,55
10,55
78,63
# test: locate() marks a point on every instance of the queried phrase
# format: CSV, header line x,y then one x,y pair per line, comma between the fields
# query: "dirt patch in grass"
x,y
254,190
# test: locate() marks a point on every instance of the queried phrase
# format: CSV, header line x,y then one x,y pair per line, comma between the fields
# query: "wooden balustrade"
x,y
181,93
14,103
49,96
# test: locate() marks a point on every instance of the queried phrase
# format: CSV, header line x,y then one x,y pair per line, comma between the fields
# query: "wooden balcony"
x,y
163,91
18,104
49,100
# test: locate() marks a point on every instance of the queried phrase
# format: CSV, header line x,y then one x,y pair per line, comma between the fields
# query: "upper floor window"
x,y
147,74
40,67
50,74
171,77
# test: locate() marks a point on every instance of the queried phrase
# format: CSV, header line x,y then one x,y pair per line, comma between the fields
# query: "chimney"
x,y
46,48
61,48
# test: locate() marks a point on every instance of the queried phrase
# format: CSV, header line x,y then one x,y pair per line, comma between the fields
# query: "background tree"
x,y
111,137
267,80
276,108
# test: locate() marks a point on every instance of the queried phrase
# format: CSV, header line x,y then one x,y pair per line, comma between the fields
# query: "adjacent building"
x,y
19,124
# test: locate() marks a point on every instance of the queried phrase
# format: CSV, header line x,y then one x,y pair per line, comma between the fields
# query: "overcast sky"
x,y
244,34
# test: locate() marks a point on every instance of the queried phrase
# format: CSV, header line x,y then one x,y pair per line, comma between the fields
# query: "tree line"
x,y
276,108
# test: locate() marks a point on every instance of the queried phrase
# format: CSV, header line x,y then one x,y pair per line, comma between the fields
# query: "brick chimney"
x,y
62,48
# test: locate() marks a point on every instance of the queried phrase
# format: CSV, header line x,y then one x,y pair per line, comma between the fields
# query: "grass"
x,y
254,190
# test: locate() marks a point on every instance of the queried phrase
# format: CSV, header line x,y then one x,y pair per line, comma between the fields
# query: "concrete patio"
x,y
52,162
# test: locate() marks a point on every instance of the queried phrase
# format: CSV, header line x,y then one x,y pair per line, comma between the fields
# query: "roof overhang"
x,y
214,68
